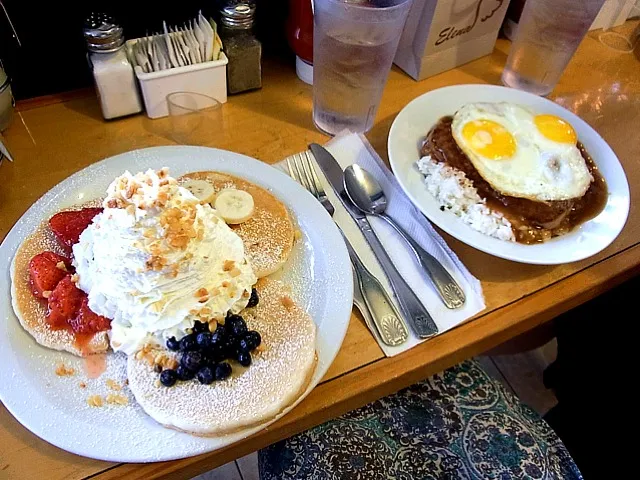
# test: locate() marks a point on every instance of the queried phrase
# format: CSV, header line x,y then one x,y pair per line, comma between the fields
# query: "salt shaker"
x,y
112,72
243,49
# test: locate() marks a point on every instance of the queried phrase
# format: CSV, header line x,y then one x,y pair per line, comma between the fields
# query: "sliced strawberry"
x,y
67,226
44,273
88,321
64,303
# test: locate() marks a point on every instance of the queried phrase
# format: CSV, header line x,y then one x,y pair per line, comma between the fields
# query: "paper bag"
x,y
440,35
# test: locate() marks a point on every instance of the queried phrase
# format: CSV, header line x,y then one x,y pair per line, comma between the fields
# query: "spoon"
x,y
366,193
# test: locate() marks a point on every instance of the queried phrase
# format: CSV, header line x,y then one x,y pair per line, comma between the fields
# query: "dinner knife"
x,y
412,309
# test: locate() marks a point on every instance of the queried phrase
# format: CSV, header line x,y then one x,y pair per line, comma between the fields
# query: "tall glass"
x,y
354,43
549,32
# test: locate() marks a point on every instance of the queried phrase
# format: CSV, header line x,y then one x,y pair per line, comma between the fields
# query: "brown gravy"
x,y
532,222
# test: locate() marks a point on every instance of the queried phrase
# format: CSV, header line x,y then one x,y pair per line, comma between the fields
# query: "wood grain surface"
x,y
53,137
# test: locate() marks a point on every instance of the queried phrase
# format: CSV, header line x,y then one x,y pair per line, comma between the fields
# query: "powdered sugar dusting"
x,y
456,193
278,374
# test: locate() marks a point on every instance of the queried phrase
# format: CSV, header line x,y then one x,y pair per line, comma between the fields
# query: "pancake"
x,y
31,311
279,374
268,235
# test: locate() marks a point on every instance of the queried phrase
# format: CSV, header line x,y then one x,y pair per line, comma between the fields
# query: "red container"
x,y
300,29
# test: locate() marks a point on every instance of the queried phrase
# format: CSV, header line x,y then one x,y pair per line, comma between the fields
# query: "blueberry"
x,y
253,300
168,377
203,340
236,325
205,375
230,347
173,344
221,330
191,360
217,354
218,337
253,339
223,371
184,373
188,343
244,359
245,345
199,327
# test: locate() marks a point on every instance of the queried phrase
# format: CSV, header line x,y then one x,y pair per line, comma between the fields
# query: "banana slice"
x,y
201,189
234,206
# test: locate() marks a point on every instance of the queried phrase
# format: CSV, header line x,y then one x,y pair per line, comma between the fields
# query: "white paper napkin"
x,y
349,148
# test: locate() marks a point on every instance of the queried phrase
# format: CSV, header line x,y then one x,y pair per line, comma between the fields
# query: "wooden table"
x,y
53,137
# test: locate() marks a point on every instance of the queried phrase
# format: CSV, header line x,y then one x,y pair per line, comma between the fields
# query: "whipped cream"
x,y
156,260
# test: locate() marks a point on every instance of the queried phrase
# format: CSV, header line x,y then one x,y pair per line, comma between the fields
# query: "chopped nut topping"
x,y
213,325
95,401
82,385
131,209
113,399
46,293
225,284
156,263
204,299
61,266
201,292
235,272
131,189
113,385
75,278
246,294
228,265
63,371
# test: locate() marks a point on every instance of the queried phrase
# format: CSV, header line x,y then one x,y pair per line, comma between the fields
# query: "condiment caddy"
x,y
187,58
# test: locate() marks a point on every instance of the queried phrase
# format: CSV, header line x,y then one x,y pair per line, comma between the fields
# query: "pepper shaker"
x,y
243,49
113,73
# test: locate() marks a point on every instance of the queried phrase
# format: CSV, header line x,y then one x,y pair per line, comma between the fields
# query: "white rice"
x,y
456,193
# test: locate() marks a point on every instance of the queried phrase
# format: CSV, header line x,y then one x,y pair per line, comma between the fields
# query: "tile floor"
x,y
521,373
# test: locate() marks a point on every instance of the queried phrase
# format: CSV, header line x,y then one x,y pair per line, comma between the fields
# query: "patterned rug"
x,y
458,424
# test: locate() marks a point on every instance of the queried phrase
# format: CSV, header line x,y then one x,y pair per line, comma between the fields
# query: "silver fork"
x,y
380,310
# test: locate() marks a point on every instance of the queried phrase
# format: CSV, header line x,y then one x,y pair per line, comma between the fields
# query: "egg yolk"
x,y
489,139
556,129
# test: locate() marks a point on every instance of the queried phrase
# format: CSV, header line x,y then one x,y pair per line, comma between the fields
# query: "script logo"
x,y
451,32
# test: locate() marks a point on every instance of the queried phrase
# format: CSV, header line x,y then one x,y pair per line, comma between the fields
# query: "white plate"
x,y
55,408
416,119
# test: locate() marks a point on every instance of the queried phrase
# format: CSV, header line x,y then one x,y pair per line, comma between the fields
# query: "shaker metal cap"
x,y
102,33
238,16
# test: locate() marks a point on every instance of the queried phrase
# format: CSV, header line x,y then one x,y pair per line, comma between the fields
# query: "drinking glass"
x,y
195,119
354,43
548,34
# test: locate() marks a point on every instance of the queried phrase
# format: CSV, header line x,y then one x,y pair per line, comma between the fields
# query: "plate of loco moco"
x,y
168,302
509,173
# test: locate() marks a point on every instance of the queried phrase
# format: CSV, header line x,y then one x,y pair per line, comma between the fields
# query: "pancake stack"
x,y
282,365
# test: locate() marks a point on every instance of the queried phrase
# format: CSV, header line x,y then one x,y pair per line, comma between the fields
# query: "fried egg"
x,y
522,154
